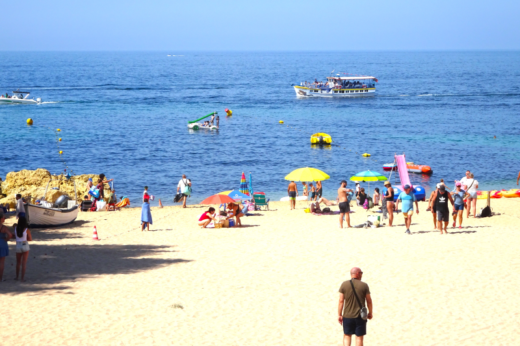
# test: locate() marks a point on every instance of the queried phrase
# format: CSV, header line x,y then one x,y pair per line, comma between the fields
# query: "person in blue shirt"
x,y
407,197
458,203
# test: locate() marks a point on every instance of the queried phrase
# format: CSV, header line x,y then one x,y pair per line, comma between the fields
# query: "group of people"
x,y
234,210
96,193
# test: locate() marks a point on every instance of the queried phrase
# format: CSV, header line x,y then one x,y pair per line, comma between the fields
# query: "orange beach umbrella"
x,y
217,199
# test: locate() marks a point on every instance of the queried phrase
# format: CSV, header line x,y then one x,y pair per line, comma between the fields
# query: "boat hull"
x,y
333,93
39,216
18,101
417,169
197,126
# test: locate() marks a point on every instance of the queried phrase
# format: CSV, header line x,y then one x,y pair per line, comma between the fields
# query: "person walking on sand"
x,y
443,210
319,190
344,206
23,236
184,186
458,205
407,197
431,205
472,184
146,215
5,235
292,191
389,200
352,296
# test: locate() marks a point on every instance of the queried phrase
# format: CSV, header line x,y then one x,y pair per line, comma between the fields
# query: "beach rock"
x,y
31,185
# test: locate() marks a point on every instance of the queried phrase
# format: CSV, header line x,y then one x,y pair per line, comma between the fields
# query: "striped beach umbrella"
x,y
243,185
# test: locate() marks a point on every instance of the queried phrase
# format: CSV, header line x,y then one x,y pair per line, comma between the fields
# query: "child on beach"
x,y
313,192
5,235
23,235
206,218
146,195
146,215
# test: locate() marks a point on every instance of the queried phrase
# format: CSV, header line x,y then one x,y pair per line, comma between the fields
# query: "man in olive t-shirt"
x,y
349,310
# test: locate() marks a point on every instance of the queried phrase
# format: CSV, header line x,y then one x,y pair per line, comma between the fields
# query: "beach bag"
x,y
363,312
365,205
485,212
101,205
186,190
177,198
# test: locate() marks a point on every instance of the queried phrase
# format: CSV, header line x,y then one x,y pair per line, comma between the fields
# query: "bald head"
x,y
184,176
356,273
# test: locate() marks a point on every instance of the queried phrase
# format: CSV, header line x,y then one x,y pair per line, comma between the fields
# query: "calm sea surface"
x,y
125,115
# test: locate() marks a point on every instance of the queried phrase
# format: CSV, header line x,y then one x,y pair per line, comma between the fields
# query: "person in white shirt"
x,y
20,209
184,187
471,192
464,181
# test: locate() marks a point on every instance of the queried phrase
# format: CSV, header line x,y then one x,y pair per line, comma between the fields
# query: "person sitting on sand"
x,y
361,196
146,216
86,204
207,217
236,212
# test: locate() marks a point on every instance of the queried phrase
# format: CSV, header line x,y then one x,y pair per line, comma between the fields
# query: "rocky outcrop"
x,y
31,185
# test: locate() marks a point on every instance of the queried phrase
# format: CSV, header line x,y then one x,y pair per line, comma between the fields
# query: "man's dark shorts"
x,y
344,207
356,326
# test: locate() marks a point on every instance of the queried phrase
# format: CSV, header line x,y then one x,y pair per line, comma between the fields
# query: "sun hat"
x,y
386,183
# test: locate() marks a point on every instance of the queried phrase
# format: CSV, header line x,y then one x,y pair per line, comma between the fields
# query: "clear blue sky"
x,y
260,25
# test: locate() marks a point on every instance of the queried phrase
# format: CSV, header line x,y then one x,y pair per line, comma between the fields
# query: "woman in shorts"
x,y
23,236
458,203
472,185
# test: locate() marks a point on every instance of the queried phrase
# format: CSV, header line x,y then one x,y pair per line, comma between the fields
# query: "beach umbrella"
x,y
243,185
368,176
250,184
235,194
217,199
307,174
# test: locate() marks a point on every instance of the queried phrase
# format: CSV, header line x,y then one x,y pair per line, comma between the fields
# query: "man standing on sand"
x,y
441,205
292,190
407,197
184,186
319,190
352,294
344,206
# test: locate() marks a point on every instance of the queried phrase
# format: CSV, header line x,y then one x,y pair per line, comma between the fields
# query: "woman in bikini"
x,y
389,200
305,192
236,212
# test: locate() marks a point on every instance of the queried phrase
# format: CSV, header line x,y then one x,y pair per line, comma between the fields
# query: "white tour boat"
x,y
336,86
19,97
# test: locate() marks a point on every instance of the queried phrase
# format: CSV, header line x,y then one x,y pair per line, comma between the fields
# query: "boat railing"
x,y
328,87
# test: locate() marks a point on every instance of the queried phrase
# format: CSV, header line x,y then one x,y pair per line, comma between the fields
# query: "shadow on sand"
x,y
53,267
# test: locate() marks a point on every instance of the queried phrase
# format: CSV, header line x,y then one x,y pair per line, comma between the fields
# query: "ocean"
x,y
125,114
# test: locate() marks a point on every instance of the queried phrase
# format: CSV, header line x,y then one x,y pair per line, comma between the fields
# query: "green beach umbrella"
x,y
368,176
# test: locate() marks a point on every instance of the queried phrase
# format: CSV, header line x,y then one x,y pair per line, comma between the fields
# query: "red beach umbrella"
x,y
217,199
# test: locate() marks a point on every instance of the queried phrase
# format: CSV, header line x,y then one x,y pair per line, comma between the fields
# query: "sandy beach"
x,y
272,282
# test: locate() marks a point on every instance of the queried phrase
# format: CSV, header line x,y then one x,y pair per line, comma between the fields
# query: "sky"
x,y
265,25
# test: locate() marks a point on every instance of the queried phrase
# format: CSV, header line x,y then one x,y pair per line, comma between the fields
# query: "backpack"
x,y
485,212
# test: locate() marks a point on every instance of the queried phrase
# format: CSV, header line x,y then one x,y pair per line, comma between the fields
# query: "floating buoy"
x,y
58,130
61,152
229,112
29,121
59,139
366,155
281,121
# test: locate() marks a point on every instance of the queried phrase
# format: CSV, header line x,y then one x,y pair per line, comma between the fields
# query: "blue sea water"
x,y
125,114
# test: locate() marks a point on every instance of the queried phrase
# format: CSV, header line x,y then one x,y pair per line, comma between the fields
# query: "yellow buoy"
x,y
59,139
281,121
366,155
58,130
61,152
29,121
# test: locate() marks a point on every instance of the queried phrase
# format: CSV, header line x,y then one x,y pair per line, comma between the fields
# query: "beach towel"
x,y
124,203
146,214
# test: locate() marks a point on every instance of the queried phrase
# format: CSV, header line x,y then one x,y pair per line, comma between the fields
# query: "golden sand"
x,y
273,282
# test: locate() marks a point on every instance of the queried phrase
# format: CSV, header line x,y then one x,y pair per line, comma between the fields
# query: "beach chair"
x,y
260,201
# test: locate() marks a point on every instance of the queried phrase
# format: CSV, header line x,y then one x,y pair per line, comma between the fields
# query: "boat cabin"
x,y
20,94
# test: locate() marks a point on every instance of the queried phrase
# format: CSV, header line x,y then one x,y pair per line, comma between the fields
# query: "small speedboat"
x,y
321,139
62,212
19,97
412,168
